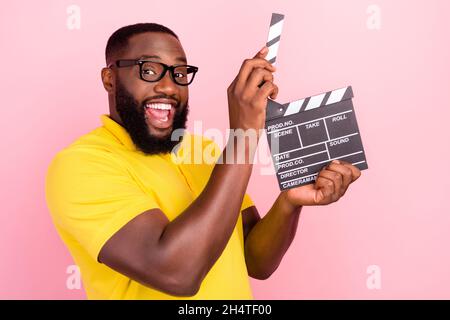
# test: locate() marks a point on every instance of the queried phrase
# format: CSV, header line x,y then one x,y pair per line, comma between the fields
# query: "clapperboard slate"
x,y
307,134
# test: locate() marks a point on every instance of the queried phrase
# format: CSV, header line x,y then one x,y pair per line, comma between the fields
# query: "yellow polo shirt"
x,y
101,181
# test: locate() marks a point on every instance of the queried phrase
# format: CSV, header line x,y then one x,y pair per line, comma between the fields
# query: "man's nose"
x,y
166,85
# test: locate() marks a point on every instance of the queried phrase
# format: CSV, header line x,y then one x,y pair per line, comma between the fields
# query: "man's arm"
x,y
175,256
268,239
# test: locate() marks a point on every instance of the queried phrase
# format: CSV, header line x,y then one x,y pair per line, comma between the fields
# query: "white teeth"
x,y
160,106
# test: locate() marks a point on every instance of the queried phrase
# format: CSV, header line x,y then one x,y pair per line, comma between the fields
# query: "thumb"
x,y
262,53
319,195
313,196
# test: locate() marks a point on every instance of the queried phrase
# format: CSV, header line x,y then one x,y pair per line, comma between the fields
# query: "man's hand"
x,y
268,239
246,100
331,184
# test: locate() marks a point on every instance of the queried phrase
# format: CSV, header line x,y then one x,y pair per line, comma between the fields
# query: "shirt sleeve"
x,y
91,195
247,202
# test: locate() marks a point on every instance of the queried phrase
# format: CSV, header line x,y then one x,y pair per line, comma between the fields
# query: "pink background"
x,y
396,216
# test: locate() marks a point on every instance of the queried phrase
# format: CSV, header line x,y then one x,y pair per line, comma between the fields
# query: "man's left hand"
x,y
331,184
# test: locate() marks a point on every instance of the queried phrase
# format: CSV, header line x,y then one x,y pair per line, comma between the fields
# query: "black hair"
x,y
118,41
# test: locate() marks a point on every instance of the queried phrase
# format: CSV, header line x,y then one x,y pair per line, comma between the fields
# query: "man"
x,y
142,225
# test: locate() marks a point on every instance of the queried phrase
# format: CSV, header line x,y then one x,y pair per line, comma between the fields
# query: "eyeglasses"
x,y
152,71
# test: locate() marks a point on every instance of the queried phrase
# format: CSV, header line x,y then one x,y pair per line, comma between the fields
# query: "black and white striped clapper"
x,y
307,134
273,40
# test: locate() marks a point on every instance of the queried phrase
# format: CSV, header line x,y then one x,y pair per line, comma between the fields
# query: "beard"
x,y
133,118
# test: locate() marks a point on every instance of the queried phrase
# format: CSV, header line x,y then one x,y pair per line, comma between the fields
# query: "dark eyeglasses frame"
x,y
130,62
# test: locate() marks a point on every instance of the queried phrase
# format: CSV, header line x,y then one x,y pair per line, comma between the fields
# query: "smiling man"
x,y
142,225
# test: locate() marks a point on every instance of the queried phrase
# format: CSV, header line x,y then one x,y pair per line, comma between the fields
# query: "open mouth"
x,y
159,115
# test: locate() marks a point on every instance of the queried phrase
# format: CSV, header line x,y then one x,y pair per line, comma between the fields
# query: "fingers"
x,y
325,189
356,173
334,180
344,171
330,185
249,65
268,89
260,85
255,80
336,183
262,53
257,76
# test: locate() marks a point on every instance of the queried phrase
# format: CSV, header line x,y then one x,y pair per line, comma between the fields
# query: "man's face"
x,y
150,111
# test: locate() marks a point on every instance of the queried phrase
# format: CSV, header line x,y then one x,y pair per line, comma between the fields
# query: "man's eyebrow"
x,y
182,59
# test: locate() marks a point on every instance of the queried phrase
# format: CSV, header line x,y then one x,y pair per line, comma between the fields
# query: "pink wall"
x,y
395,217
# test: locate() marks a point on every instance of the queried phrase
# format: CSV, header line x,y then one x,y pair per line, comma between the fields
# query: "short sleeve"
x,y
247,202
91,195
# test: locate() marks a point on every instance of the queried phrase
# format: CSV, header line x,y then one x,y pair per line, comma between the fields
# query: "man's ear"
x,y
108,80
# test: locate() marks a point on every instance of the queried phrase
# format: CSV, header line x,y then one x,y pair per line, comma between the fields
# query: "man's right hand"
x,y
247,101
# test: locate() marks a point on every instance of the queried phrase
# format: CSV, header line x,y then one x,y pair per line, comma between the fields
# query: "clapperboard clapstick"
x,y
273,40
305,135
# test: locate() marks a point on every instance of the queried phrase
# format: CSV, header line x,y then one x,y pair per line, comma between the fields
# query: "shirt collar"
x,y
119,132
123,137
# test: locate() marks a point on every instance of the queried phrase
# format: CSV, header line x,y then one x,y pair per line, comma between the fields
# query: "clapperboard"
x,y
307,134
